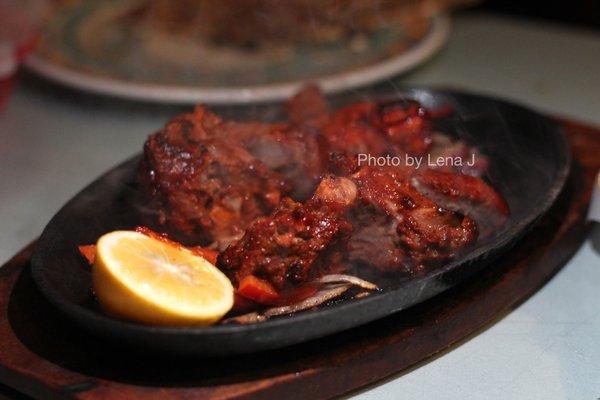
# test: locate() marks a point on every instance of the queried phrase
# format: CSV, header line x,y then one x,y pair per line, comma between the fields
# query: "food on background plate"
x,y
295,217
254,23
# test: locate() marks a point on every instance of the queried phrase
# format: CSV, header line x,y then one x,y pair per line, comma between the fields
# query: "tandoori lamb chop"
x,y
287,202
210,190
375,216
377,128
298,241
210,178
423,231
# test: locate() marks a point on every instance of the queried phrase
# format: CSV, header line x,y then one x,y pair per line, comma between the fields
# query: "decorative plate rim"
x,y
178,94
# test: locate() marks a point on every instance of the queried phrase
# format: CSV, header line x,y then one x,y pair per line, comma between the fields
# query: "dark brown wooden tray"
x,y
44,356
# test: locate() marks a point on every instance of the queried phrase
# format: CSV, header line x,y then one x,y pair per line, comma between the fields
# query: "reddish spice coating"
x,y
460,188
246,188
396,127
297,242
207,188
425,231
210,178
464,194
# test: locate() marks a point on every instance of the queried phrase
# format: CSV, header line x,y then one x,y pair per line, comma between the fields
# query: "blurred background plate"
x,y
108,47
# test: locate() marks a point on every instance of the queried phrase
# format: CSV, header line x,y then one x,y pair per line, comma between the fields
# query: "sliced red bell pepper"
x,y
296,295
88,251
209,255
258,290
262,292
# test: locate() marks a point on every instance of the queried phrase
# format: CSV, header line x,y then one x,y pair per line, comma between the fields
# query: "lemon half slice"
x,y
143,279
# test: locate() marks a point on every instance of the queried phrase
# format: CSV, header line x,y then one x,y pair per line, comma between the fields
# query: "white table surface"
x,y
51,145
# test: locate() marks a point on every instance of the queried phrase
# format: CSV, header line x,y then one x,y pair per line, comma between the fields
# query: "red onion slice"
x,y
249,318
323,295
353,280
334,286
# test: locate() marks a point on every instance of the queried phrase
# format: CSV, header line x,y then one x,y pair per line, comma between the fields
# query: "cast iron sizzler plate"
x,y
530,161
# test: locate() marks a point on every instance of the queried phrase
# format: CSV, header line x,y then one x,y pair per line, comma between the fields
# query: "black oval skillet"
x,y
530,162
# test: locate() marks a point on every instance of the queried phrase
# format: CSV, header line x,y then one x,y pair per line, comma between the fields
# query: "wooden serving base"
x,y
44,356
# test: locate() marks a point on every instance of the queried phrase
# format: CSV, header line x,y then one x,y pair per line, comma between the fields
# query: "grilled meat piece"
x,y
298,241
378,128
375,242
210,178
292,151
308,106
248,186
464,194
470,160
206,188
348,131
405,123
426,232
